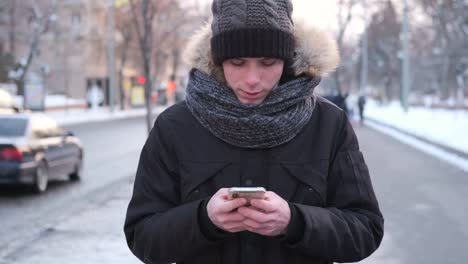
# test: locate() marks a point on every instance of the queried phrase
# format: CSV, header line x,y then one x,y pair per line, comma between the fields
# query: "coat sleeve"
x,y
350,228
157,227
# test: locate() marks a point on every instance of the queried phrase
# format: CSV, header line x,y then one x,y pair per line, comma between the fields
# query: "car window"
x,y
12,127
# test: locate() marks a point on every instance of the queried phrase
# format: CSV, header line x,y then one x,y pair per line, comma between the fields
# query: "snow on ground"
x,y
423,146
445,127
79,115
76,116
55,101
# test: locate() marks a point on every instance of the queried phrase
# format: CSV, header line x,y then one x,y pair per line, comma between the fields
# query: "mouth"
x,y
251,94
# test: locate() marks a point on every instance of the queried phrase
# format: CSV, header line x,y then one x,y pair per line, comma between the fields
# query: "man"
x,y
361,105
251,119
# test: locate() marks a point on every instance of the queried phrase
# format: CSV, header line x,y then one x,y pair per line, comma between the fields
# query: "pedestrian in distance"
x,y
251,119
361,105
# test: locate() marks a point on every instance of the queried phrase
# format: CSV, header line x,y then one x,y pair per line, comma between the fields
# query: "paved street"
x,y
94,233
423,201
111,155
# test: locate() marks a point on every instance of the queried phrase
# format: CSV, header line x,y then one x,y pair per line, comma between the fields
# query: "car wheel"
x,y
76,174
41,179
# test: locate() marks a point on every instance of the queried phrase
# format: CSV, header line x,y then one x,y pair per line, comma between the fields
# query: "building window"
x,y
76,24
76,20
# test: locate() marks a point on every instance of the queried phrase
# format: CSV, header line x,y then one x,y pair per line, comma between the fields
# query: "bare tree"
x,y
125,26
450,35
6,56
143,14
384,45
344,18
8,19
41,17
175,26
160,31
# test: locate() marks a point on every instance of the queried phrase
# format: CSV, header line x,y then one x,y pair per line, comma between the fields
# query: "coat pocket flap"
x,y
309,175
193,174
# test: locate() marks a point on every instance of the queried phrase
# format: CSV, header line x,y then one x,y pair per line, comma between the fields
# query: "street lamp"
x,y
110,52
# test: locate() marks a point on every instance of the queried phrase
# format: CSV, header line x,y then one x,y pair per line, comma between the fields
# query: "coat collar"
x,y
316,53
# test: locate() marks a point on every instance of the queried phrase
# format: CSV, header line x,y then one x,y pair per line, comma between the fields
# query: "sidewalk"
x,y
437,132
79,116
445,128
93,235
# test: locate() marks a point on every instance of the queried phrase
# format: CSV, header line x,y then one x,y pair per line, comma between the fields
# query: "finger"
x,y
257,225
271,196
231,217
252,225
260,231
235,226
263,205
237,229
231,205
254,214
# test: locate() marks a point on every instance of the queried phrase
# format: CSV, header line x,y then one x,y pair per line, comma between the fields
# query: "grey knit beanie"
x,y
252,28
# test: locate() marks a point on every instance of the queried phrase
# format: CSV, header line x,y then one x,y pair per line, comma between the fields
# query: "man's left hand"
x,y
269,216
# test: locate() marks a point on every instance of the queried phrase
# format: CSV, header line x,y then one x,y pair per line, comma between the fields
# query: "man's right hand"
x,y
223,212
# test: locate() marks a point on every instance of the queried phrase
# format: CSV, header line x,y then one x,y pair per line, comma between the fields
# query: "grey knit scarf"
x,y
277,120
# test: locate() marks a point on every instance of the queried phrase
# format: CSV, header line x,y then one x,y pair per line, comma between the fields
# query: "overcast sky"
x,y
318,12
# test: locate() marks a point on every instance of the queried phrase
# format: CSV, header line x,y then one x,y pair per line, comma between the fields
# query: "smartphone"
x,y
247,192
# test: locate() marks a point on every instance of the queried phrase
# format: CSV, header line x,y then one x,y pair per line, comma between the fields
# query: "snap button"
x,y
248,182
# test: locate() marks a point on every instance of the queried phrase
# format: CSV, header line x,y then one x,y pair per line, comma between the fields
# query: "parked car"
x,y
35,150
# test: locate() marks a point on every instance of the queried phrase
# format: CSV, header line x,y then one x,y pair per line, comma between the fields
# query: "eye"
x,y
269,61
236,62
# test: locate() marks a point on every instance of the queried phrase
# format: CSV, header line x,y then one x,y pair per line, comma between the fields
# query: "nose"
x,y
252,77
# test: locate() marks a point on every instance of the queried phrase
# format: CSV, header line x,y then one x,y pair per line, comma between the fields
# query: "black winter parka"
x,y
321,173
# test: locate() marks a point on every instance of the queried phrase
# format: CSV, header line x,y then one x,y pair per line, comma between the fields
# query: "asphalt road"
x,y
111,151
423,201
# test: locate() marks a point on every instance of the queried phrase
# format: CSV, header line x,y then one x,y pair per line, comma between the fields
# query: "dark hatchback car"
x,y
35,150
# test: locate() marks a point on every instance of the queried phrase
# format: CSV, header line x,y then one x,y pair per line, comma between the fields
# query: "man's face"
x,y
252,79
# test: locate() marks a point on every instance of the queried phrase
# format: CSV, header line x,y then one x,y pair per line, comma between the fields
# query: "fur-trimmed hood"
x,y
316,53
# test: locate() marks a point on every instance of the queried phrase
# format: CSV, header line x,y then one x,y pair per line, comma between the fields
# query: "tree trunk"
x,y
444,78
120,74
20,83
121,89
20,86
12,33
149,112
389,89
175,58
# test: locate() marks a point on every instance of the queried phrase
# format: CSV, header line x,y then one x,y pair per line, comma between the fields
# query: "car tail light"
x,y
12,154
